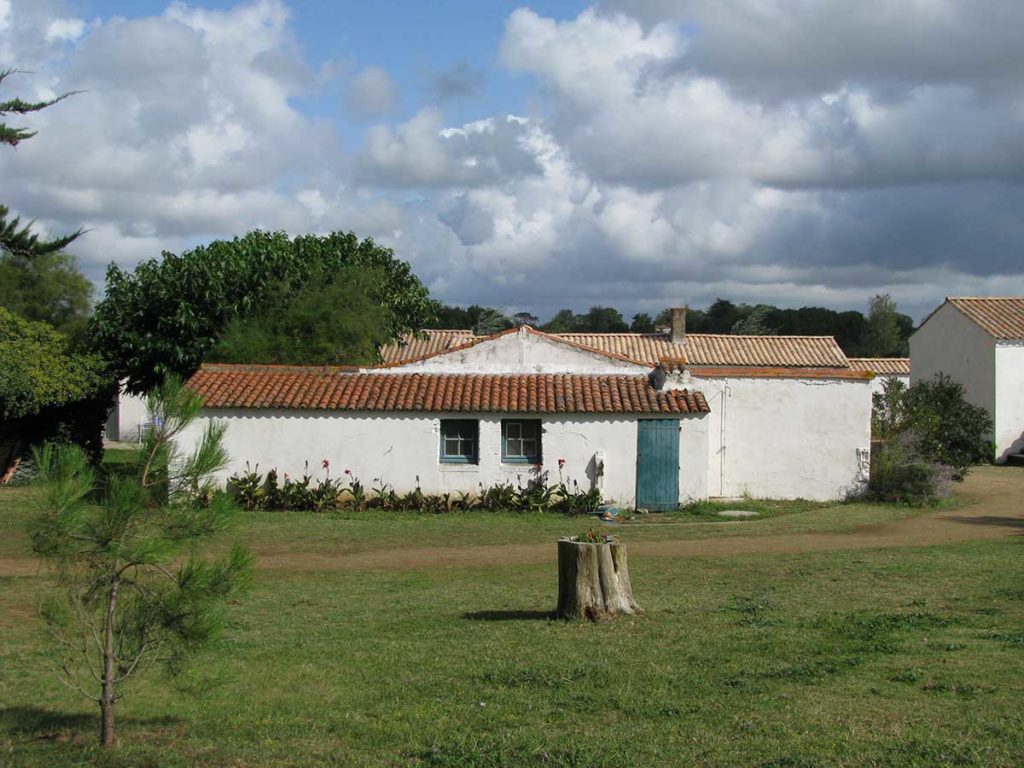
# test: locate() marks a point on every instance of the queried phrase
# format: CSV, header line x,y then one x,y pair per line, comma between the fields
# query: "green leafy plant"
x,y
929,422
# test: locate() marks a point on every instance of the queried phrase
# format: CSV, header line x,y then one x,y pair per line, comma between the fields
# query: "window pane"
x,y
529,447
514,447
513,429
451,446
466,448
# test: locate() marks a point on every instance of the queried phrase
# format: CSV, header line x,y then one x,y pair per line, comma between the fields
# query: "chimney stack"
x,y
678,325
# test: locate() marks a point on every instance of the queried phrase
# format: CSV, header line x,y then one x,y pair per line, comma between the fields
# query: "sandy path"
x,y
993,507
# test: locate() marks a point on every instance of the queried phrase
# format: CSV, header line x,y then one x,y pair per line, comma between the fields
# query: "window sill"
x,y
458,467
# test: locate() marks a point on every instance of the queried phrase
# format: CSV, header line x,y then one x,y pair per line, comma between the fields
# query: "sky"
x,y
629,153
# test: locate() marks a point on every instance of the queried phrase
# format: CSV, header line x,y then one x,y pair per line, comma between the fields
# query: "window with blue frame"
x,y
460,439
520,441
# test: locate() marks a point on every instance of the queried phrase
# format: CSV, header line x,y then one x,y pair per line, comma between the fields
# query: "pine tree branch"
x,y
19,239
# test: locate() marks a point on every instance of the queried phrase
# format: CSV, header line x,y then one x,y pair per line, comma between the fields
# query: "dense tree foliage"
x,y
326,323
49,288
163,318
935,416
47,391
132,591
594,320
642,323
886,332
38,370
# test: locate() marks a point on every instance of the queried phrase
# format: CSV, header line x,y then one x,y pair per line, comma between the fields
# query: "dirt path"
x,y
993,507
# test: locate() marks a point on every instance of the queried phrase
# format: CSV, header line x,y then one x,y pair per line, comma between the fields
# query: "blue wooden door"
x,y
657,464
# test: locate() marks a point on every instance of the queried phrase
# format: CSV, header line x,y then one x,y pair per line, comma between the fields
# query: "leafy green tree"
x,y
47,287
133,591
164,318
602,320
722,316
525,318
327,323
756,322
47,390
564,321
953,431
882,336
642,323
17,238
38,370
491,321
935,417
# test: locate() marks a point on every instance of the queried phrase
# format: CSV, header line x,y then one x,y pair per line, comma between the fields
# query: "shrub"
x,y
945,429
902,474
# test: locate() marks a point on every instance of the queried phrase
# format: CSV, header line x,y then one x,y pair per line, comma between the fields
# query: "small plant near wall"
x,y
271,491
254,491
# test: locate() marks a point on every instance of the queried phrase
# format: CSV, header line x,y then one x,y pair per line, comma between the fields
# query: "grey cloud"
x,y
371,93
781,49
461,81
468,221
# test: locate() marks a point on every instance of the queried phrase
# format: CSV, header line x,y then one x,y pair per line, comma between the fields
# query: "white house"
x,y
979,341
882,369
127,418
653,419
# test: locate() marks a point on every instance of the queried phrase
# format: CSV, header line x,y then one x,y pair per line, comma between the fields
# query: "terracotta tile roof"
x,y
720,349
253,386
650,348
1000,316
412,348
882,366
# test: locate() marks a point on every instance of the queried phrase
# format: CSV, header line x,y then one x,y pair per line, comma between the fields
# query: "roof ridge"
x,y
985,298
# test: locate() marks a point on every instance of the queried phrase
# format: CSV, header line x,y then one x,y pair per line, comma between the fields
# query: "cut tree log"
x,y
593,580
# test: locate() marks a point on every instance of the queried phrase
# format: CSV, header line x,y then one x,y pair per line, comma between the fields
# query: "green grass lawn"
x,y
867,657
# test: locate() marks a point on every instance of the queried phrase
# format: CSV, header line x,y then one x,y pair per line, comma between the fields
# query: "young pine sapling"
x,y
134,592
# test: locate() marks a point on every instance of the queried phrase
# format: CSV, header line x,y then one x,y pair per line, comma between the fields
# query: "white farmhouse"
x,y
128,418
652,419
979,342
883,369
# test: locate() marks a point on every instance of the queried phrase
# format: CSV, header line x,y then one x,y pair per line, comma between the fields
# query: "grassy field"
x,y
865,657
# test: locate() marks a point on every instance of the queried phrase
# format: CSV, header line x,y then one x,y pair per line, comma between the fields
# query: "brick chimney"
x,y
678,325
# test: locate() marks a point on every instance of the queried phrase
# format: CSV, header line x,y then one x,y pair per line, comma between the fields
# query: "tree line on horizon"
x,y
882,332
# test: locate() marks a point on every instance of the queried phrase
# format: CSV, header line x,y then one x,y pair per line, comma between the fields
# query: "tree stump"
x,y
593,580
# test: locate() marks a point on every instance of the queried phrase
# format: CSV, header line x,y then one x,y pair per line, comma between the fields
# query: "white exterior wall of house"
x,y
128,414
950,343
522,352
787,438
399,448
1009,406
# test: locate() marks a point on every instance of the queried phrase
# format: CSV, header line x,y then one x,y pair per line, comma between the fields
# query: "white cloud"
x,y
756,149
64,29
372,93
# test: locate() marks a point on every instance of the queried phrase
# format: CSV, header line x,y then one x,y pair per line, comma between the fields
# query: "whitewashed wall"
x,y
950,343
1009,411
399,448
128,414
522,352
786,438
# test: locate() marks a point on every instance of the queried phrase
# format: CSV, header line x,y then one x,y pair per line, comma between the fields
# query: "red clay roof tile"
x,y
325,388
